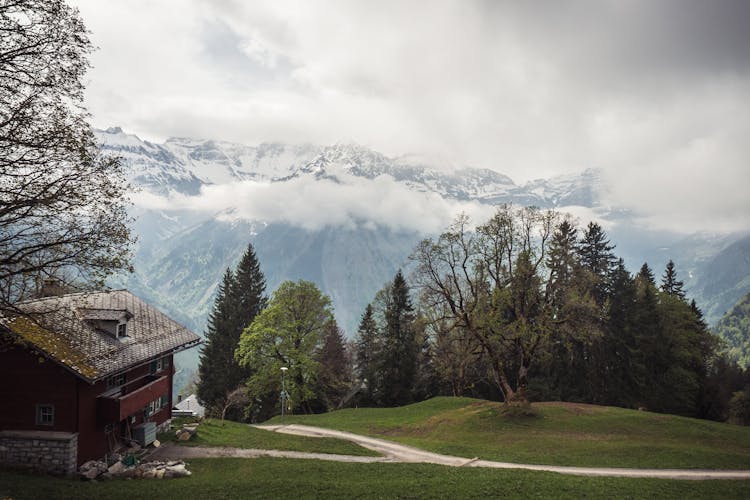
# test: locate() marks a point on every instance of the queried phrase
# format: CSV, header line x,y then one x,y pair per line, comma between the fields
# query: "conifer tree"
x,y
241,297
367,354
670,284
215,357
646,276
399,348
650,340
563,261
335,371
596,256
622,370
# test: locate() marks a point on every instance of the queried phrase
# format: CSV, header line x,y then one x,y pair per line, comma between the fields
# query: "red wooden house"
x,y
83,374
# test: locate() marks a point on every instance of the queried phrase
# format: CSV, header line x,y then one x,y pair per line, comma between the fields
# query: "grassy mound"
x,y
556,433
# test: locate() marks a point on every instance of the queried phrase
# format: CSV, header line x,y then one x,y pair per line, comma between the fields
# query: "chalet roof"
x,y
62,328
190,404
104,314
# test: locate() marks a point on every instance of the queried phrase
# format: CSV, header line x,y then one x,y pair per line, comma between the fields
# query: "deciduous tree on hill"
x,y
494,284
288,333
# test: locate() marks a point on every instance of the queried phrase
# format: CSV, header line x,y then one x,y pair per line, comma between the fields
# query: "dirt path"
x,y
395,452
170,451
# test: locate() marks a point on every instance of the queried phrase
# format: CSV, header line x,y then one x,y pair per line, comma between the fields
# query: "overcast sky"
x,y
655,93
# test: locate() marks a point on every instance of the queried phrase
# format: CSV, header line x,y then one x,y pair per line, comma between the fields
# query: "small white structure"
x,y
188,407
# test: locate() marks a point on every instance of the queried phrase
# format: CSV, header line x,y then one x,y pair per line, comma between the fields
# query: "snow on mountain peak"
x,y
185,164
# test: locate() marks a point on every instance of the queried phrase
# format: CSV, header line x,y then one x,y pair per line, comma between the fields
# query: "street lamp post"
x,y
283,392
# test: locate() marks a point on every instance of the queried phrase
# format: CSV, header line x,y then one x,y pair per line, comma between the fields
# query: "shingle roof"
x,y
191,404
61,327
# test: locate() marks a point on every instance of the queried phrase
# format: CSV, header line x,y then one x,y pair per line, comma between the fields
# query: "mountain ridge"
x,y
182,251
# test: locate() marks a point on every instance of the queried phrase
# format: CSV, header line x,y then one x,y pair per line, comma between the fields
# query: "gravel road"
x,y
395,452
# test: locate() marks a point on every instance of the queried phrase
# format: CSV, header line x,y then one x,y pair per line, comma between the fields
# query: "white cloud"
x,y
313,204
655,94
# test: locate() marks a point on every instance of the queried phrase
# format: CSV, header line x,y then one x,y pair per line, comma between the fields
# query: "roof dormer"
x,y
113,322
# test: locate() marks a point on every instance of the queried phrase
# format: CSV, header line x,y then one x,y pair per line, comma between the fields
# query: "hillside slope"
x,y
558,434
734,328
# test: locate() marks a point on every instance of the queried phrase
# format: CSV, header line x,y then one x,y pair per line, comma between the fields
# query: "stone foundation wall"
x,y
55,452
164,426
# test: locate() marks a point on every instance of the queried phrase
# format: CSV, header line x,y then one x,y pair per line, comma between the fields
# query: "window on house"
x,y
159,364
115,381
164,401
122,330
45,415
149,409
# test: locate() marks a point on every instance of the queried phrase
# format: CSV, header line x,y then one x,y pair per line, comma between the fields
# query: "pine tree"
x,y
670,284
335,371
248,290
367,355
563,261
215,359
622,369
398,360
240,298
652,355
646,276
596,256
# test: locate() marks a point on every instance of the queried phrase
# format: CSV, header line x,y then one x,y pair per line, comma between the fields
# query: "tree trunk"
x,y
521,395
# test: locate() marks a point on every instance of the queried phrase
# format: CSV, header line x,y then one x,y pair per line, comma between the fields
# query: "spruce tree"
x,y
248,290
596,256
652,346
240,298
215,360
335,373
563,261
399,353
367,355
622,369
646,275
670,284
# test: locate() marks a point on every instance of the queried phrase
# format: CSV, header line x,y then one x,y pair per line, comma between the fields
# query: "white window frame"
x,y
122,330
45,414
159,364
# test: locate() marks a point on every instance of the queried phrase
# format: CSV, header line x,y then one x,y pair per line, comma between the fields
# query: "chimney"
x,y
179,398
52,287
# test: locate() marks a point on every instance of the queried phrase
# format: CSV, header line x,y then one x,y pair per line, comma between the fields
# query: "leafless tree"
x,y
234,399
62,204
492,283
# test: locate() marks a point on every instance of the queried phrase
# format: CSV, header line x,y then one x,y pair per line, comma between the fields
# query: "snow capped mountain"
x,y
184,165
183,251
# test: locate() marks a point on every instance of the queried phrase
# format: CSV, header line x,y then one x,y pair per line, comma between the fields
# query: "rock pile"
x,y
95,469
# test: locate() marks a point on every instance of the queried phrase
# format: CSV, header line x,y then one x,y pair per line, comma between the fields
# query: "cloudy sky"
x,y
657,94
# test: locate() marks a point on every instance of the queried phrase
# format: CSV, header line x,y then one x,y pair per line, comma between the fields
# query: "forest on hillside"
x,y
526,306
734,328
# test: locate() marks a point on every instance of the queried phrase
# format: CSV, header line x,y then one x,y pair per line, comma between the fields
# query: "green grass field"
x,y
228,478
560,434
213,432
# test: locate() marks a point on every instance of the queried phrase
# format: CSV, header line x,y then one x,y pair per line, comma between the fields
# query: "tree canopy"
x,y
239,299
494,284
288,333
63,204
